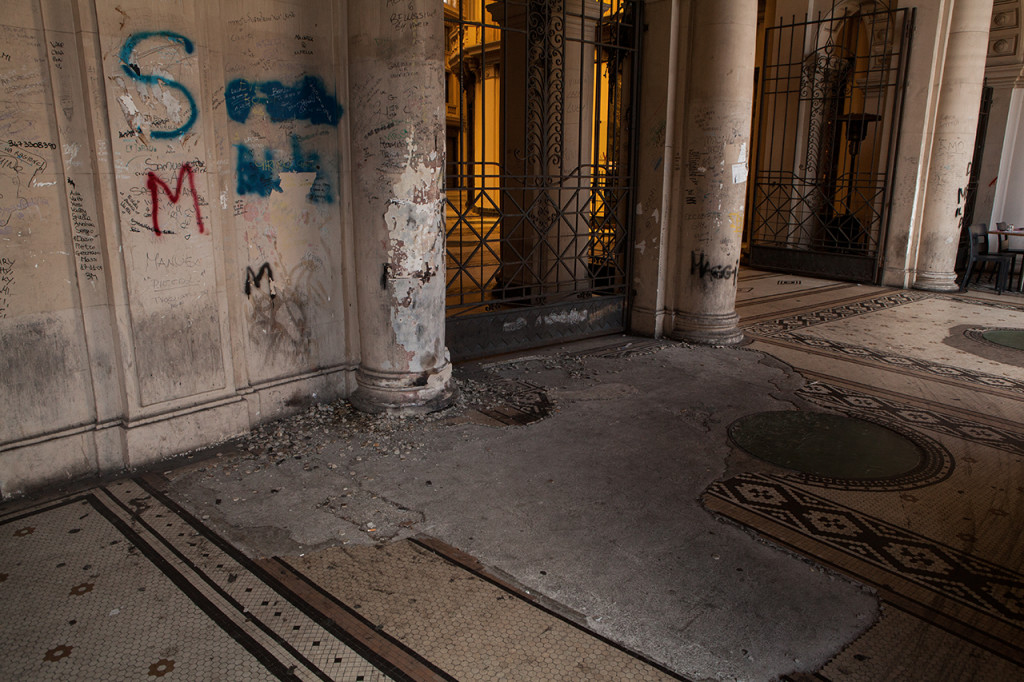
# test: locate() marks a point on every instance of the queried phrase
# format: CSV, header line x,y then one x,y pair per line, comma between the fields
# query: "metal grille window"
x,y
539,171
828,128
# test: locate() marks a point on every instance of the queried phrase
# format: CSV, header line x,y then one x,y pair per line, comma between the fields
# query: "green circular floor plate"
x,y
826,444
1011,338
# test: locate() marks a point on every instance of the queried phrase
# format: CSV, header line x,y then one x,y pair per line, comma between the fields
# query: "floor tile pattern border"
x,y
856,403
781,330
905,363
781,325
217,556
934,575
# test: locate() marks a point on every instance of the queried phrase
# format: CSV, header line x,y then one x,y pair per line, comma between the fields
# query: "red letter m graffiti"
x,y
155,183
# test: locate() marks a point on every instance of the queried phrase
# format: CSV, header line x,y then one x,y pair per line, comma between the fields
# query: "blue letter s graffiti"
x,y
133,70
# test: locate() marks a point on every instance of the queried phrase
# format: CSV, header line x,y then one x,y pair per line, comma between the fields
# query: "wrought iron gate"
x,y
541,94
826,139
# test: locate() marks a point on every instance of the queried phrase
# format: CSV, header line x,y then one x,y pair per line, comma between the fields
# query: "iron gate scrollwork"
x,y
540,98
826,138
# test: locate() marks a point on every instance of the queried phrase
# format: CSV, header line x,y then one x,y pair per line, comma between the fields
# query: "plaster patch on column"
x,y
71,152
172,105
641,247
132,115
415,250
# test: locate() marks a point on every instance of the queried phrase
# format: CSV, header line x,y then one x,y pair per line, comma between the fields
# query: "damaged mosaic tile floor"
x,y
119,582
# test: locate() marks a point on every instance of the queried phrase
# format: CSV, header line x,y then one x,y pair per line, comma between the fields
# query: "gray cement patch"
x,y
595,507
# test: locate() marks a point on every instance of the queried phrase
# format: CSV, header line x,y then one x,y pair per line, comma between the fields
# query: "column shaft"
x,y
716,130
956,123
398,134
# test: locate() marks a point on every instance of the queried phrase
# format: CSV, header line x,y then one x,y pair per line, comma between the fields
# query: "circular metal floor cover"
x,y
1011,338
824,444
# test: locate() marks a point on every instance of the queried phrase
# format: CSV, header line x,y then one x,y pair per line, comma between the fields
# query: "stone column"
x,y
956,122
397,127
713,166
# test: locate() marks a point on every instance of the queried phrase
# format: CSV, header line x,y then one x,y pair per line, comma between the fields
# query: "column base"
x,y
708,329
936,281
403,393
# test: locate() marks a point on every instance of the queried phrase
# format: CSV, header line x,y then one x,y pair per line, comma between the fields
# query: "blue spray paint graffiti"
x,y
307,100
262,178
135,72
257,178
320,192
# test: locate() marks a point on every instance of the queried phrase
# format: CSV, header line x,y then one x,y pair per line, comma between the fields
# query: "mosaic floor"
x,y
121,583
943,544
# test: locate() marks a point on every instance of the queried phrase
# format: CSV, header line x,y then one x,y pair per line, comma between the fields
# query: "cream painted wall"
x,y
174,233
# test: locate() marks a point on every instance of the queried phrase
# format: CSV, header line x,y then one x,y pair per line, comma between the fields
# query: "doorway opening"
x,y
826,138
540,99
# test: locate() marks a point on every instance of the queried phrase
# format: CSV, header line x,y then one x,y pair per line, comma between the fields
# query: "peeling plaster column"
x,y
397,123
713,170
956,123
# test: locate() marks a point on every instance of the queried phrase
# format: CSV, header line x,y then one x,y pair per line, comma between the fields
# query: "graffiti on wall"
x,y
156,185
6,284
256,177
703,268
86,236
282,319
307,100
263,177
130,66
18,168
259,171
254,278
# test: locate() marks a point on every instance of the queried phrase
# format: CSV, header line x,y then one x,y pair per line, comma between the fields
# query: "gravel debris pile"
x,y
319,464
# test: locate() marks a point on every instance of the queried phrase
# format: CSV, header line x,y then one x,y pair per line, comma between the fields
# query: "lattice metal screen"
x,y
539,170
828,128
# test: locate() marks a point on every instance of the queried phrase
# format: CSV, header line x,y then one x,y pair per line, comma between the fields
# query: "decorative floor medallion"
x,y
1004,338
837,451
984,601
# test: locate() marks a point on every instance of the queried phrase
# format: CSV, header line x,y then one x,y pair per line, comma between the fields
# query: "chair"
x,y
978,254
1004,247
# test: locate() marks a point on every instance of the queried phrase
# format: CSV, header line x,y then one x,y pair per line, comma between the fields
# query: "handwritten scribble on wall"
x,y
154,183
132,69
307,100
17,169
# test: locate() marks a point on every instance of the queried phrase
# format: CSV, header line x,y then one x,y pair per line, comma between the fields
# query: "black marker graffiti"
x,y
713,271
252,278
